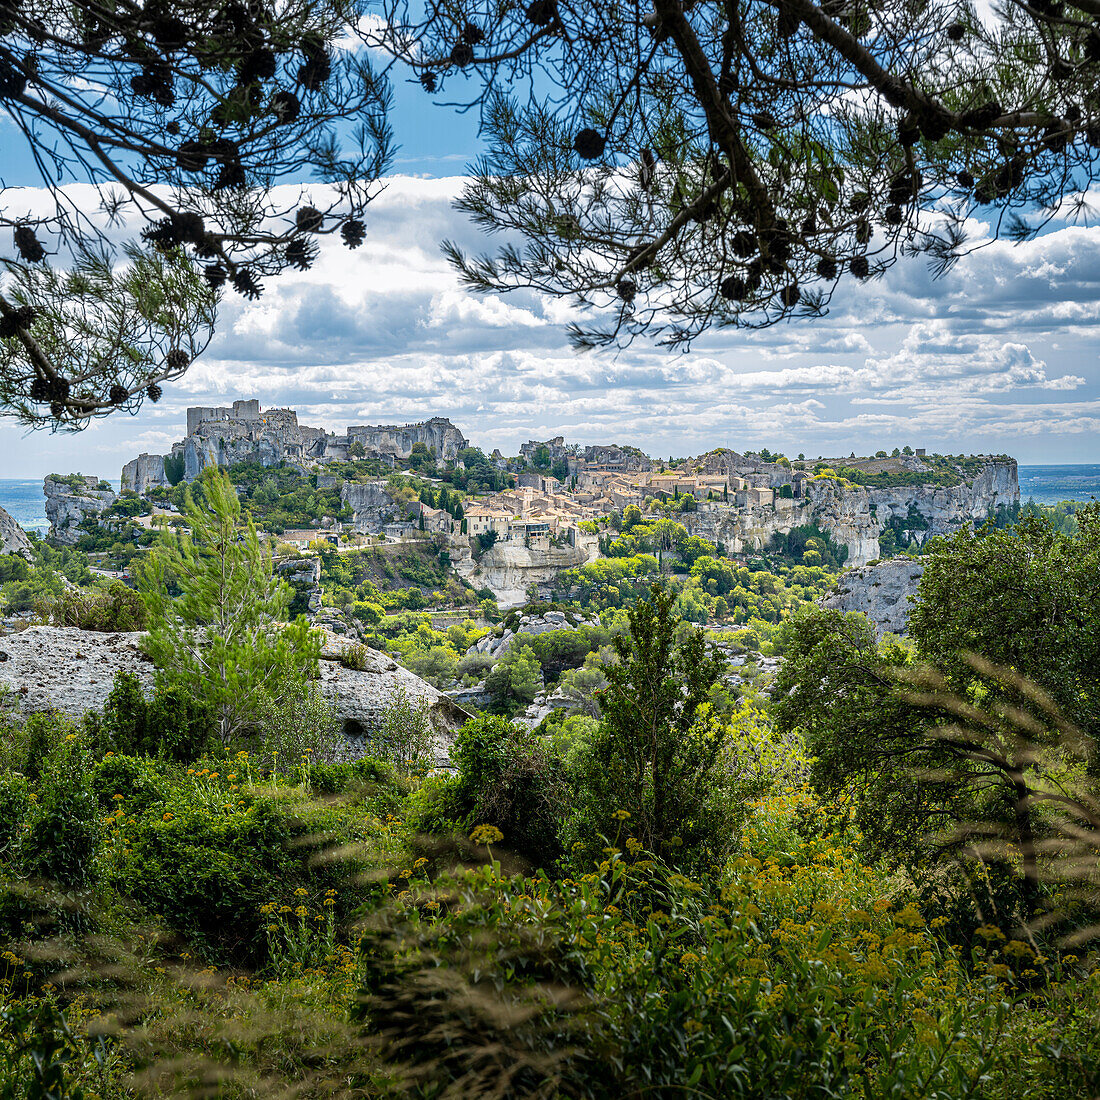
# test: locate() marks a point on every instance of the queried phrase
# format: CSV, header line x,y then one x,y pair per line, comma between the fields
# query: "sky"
x,y
998,357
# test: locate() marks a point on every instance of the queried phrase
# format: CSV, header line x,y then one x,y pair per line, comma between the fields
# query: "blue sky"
x,y
998,357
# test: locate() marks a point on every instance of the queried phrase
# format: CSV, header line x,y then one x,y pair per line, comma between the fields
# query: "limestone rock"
x,y
507,567
304,576
371,505
144,473
880,591
69,501
13,539
73,671
497,645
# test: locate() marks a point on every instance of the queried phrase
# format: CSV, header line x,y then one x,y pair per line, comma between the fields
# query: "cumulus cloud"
x,y
999,355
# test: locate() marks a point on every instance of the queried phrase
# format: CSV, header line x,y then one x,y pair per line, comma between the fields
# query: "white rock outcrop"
x,y
73,671
13,539
70,500
507,568
497,645
880,591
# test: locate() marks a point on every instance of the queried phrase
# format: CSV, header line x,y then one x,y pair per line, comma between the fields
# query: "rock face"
x,y
144,473
437,434
371,505
856,518
508,567
880,591
304,576
70,501
13,539
73,671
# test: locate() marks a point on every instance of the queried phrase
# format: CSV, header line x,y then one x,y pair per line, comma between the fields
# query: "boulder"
x,y
13,539
73,671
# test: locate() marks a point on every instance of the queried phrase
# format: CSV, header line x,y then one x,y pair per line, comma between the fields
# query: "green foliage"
x,y
172,724
174,468
403,737
506,776
61,842
1024,598
657,758
220,639
295,725
793,545
133,784
514,680
118,607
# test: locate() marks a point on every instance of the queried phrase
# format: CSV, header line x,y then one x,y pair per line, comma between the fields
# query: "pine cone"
x,y
257,65
177,359
626,289
353,232
859,267
790,296
40,390
826,268
153,393
117,394
214,274
28,245
427,82
472,34
956,32
541,12
589,144
733,289
893,215
286,107
461,55
965,179
298,254
309,219
244,283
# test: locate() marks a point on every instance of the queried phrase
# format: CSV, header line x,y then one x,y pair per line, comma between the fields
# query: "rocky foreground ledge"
x,y
72,671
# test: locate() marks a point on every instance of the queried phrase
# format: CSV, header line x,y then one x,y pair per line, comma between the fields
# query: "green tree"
x,y
216,610
514,680
657,756
1025,598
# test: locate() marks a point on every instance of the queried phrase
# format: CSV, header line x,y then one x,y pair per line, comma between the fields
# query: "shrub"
x,y
295,723
404,734
130,781
115,608
62,841
356,657
209,862
173,724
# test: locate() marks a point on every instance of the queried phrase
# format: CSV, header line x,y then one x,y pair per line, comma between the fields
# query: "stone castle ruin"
x,y
244,432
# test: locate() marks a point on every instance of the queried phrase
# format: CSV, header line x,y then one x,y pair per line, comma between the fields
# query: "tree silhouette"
x,y
697,162
183,116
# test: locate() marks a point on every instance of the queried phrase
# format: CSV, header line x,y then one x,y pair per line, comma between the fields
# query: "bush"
x,y
404,734
207,864
115,608
506,777
296,724
356,657
173,724
129,783
62,841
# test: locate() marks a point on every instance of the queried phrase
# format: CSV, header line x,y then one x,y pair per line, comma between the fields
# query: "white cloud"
x,y
999,355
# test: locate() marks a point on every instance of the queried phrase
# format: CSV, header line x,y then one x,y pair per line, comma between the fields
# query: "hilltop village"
x,y
511,526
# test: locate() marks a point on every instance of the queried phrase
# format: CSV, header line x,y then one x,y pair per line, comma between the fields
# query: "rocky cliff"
x,y
857,517
70,500
880,591
13,539
507,568
438,435
371,505
144,473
